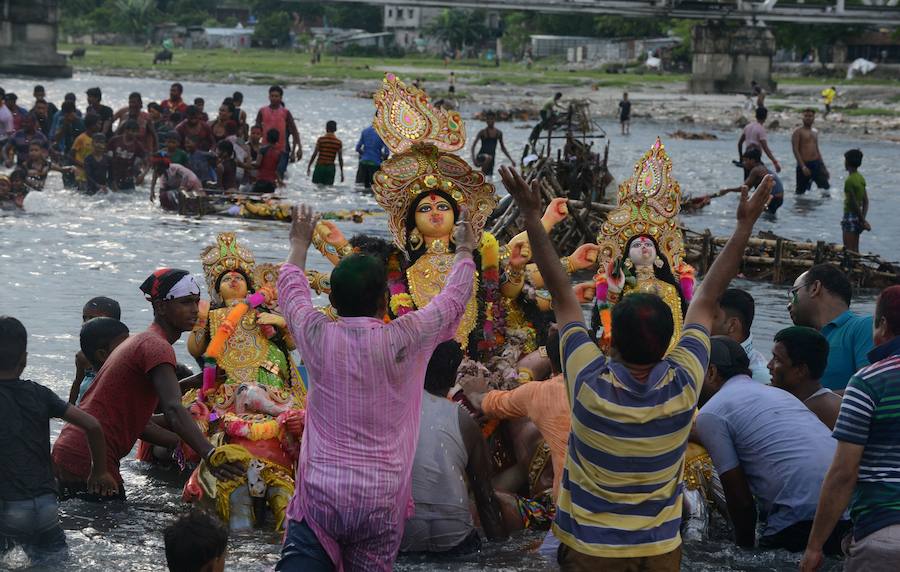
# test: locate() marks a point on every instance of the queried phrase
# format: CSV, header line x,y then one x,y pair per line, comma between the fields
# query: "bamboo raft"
x,y
768,257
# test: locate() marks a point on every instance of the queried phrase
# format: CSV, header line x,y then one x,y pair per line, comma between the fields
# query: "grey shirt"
x,y
781,445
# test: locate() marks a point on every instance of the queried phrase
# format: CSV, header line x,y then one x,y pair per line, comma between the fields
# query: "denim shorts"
x,y
33,523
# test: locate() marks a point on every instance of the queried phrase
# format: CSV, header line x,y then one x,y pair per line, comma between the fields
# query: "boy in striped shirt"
x,y
328,147
620,501
865,472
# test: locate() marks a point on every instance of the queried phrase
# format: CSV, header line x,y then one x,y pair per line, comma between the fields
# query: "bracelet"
x,y
345,250
515,275
567,264
612,297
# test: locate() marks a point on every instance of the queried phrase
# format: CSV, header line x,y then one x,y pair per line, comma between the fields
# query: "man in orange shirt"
x,y
544,402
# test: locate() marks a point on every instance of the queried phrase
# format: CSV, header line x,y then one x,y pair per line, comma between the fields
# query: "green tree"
x,y
459,28
273,30
136,16
820,37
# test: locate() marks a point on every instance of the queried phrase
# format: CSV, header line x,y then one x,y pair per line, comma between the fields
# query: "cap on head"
x,y
728,356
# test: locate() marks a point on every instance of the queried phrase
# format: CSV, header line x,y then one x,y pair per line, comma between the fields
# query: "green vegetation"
x,y
873,111
263,66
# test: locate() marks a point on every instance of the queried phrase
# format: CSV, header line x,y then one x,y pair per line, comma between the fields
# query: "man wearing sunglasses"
x,y
820,299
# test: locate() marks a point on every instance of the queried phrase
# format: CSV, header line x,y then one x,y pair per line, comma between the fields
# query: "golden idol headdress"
x,y
648,205
226,256
422,140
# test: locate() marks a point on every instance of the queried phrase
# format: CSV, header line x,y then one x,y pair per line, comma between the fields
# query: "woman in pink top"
x,y
353,491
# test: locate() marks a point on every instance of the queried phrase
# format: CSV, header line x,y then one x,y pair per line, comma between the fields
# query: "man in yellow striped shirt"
x,y
620,502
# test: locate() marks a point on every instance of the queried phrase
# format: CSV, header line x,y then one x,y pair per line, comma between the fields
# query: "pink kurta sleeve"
x,y
304,322
439,319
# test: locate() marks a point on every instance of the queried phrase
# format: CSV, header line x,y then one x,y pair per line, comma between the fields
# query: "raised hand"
x,y
527,197
463,234
303,224
750,208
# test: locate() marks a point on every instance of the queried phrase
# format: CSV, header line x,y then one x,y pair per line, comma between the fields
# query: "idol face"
x,y
434,217
233,286
642,251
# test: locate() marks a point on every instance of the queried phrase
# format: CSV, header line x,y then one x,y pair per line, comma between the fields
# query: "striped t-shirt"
x,y
870,416
328,145
621,489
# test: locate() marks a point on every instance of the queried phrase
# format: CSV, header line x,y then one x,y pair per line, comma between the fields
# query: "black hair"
x,y
67,107
191,111
69,96
642,327
134,94
888,307
833,279
199,101
276,88
154,105
272,135
805,346
761,113
809,110
179,86
13,342
663,273
553,351
441,373
373,246
358,285
94,92
237,96
729,357
854,158
97,334
754,154
239,271
740,304
39,88
226,146
331,126
557,95
193,541
109,307
18,174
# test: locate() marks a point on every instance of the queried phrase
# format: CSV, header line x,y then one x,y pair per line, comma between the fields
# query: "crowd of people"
x,y
173,144
805,441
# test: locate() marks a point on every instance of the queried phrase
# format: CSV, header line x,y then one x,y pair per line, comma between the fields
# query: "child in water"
x,y
196,542
30,515
328,147
856,201
97,167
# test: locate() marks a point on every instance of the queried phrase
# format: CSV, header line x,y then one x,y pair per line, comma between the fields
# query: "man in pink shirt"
x,y
354,488
755,135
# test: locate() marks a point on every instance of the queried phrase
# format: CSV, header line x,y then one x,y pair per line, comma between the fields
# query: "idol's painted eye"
x,y
443,207
426,208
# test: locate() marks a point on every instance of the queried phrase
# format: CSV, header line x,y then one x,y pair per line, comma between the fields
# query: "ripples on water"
x,y
68,248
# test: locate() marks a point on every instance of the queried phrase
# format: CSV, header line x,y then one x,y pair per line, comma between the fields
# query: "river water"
x,y
67,248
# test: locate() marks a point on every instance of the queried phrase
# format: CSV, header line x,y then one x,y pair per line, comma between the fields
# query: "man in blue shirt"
x,y
820,299
372,151
770,451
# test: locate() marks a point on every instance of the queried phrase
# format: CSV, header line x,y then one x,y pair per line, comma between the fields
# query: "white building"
x,y
408,22
232,38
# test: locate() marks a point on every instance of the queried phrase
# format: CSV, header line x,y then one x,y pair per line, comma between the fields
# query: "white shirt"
x,y
759,365
6,123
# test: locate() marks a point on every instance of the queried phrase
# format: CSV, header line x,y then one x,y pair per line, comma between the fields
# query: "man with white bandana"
x,y
138,376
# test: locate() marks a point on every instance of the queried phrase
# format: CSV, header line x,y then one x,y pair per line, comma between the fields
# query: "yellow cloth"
x,y
829,95
229,454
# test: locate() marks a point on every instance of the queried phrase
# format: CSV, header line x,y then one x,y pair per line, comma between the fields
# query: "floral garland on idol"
x,y
401,302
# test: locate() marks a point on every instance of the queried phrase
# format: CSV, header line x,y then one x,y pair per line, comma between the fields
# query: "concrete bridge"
x,y
28,33
876,12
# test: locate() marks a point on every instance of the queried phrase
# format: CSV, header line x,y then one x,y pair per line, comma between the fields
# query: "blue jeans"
x,y
33,523
302,551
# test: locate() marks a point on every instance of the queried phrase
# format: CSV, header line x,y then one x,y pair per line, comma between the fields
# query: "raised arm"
x,y
703,305
528,198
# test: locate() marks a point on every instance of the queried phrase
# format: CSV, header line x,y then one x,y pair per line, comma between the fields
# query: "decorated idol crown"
x,y
227,255
649,203
423,139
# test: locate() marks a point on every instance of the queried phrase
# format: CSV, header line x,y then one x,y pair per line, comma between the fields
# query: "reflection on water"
x,y
68,248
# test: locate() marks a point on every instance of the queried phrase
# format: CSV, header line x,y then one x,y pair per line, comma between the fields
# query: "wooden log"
x,y
776,268
706,252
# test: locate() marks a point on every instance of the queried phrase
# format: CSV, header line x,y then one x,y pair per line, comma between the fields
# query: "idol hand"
x,y
584,256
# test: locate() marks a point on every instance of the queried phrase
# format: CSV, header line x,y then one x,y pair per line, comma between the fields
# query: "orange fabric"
x,y
547,404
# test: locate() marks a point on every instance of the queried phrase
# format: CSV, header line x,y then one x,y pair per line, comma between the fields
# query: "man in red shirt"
x,y
194,126
175,103
138,376
276,116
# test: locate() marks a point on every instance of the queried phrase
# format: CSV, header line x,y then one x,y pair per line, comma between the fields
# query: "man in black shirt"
x,y
625,114
104,112
28,503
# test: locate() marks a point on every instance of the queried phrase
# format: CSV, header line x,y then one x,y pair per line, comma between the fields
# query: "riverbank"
x,y
865,107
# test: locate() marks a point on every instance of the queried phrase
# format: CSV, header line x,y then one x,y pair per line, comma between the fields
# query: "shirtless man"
x,y
810,166
756,170
487,154
798,361
135,111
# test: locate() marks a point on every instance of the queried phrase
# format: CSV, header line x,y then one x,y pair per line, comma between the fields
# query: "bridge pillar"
x,y
727,59
28,33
